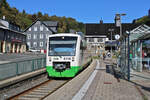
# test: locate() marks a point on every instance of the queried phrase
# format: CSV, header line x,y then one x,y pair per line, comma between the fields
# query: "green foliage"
x,y
96,57
24,20
144,20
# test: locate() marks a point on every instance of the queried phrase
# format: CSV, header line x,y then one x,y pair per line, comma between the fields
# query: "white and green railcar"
x,y
64,55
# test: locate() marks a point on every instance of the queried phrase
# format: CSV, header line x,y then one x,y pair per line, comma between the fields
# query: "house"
x,y
38,32
12,40
98,33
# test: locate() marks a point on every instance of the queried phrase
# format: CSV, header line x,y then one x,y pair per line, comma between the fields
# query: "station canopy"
x,y
139,33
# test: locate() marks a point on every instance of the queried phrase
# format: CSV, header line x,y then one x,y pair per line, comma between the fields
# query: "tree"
x,y
34,17
39,15
24,20
143,20
3,3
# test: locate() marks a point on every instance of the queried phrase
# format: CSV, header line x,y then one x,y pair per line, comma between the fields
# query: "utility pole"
x,y
128,33
111,30
118,21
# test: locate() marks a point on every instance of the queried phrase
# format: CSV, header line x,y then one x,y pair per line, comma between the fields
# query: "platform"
x,y
95,84
13,80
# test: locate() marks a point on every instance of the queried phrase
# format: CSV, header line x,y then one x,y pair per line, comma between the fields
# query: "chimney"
x,y
3,17
149,13
101,21
117,20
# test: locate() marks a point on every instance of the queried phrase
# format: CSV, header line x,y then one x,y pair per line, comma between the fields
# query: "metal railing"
x,y
12,69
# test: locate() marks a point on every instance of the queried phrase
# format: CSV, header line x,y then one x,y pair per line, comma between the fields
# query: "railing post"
x,y
32,64
17,70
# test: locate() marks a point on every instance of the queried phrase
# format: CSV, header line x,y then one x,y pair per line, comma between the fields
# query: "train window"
x,y
62,46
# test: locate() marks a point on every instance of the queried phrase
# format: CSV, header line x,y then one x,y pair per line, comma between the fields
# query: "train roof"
x,y
64,34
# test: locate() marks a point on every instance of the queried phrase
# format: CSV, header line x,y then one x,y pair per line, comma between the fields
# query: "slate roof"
x,y
51,23
2,24
103,28
48,24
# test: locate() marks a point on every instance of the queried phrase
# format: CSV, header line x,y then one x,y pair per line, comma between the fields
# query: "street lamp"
x,y
128,33
111,30
118,21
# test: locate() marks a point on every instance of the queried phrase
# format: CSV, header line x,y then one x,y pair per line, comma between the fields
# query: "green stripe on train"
x,y
66,73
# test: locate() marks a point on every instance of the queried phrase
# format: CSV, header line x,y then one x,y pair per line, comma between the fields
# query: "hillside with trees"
x,y
143,20
24,19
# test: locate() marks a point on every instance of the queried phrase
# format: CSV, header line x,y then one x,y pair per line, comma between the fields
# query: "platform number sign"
x,y
117,37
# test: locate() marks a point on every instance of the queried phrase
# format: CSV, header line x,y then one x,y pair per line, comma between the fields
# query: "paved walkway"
x,y
103,87
142,81
106,87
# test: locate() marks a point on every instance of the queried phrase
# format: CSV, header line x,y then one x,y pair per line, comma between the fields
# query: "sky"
x,y
86,11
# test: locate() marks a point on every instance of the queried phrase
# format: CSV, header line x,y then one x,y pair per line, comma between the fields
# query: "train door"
x,y
0,46
81,53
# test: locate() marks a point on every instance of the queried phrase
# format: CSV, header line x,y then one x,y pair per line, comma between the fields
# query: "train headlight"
x,y
50,59
73,58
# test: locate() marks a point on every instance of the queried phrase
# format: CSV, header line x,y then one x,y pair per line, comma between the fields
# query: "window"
x,y
16,37
28,36
8,36
35,44
46,36
100,40
28,43
35,36
12,37
23,39
20,38
91,39
41,28
35,28
41,44
62,46
41,36
30,29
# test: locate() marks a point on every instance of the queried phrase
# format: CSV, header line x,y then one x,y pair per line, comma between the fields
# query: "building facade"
x,y
38,33
11,40
101,36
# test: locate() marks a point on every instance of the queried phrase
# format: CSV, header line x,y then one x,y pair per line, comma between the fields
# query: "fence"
x,y
12,69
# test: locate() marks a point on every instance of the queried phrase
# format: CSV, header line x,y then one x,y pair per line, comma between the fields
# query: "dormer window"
x,y
30,29
47,29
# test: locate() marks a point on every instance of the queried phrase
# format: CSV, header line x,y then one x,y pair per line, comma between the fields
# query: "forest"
x,y
24,19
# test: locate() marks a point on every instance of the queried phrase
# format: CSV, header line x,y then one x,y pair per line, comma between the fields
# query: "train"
x,y
65,54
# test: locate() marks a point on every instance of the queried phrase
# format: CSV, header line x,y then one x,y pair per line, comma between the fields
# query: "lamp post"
x,y
128,33
111,30
118,21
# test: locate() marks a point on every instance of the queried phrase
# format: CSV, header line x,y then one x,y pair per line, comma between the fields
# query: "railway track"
x,y
44,89
41,91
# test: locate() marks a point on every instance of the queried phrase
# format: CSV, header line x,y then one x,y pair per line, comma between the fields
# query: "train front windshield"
x,y
62,46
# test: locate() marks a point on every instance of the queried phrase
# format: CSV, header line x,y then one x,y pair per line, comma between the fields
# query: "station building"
x,y
101,36
12,40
